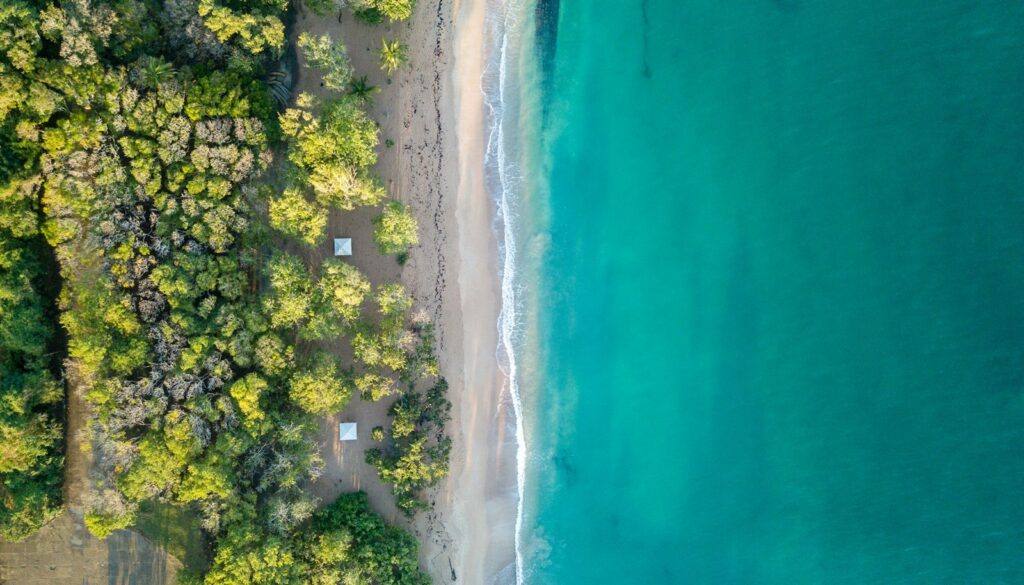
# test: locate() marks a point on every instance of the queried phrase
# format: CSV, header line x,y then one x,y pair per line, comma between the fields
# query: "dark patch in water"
x,y
568,469
547,40
647,31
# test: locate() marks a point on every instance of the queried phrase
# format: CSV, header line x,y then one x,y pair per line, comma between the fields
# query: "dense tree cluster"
x,y
346,543
31,393
134,137
31,433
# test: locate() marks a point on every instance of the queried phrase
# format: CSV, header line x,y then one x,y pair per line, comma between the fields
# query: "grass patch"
x,y
177,530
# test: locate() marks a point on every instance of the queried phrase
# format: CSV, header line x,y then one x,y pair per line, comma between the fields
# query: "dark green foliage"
x,y
376,11
345,542
31,395
369,15
361,90
416,456
376,552
31,433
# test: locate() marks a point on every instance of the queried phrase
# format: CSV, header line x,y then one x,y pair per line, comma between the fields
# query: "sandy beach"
x,y
431,111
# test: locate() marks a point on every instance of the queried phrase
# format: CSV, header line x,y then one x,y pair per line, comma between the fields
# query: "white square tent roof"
x,y
342,246
347,431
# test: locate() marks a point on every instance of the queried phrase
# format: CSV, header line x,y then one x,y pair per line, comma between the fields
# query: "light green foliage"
x,y
339,294
375,386
210,477
291,298
163,457
102,525
245,559
273,356
27,436
333,153
320,310
19,35
390,9
393,301
294,215
376,348
248,393
328,56
256,33
317,387
394,230
392,55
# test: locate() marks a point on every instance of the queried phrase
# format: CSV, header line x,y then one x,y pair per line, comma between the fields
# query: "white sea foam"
x,y
503,178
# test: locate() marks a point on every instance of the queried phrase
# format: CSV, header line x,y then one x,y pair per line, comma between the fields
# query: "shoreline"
x,y
479,497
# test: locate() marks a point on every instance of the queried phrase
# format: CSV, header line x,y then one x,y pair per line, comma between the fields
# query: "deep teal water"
x,y
779,327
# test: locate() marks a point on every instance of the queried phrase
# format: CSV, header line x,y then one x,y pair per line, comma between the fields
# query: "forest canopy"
x,y
142,237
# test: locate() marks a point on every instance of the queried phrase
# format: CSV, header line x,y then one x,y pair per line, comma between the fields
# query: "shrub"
x,y
394,230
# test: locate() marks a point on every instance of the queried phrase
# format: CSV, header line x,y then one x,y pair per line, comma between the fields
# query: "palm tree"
x,y
362,90
392,55
156,71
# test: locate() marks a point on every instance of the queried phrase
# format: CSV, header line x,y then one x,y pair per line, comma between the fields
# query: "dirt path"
x,y
63,552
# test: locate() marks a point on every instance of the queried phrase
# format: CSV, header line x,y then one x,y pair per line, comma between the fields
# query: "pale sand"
x,y
433,111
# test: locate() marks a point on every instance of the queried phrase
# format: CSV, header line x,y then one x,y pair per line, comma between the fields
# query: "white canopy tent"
x,y
342,246
347,431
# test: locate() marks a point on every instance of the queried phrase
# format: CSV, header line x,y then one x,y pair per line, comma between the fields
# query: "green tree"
x,y
348,539
333,153
374,10
394,230
291,291
361,90
245,557
294,215
317,387
415,458
330,57
248,393
342,289
392,55
273,356
255,33
102,525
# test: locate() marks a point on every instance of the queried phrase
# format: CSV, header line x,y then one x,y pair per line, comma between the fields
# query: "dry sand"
x,y
432,109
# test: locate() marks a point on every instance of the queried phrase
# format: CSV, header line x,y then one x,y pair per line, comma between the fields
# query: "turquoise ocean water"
x,y
770,291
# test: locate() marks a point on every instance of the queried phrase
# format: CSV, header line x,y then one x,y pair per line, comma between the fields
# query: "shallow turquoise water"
x,y
780,322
